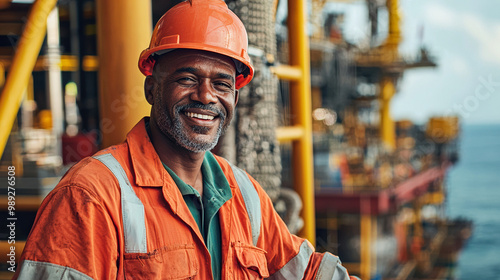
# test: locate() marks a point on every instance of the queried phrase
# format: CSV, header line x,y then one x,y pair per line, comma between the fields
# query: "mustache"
x,y
209,107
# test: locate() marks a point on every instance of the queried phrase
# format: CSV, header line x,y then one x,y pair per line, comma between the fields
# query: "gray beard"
x,y
174,129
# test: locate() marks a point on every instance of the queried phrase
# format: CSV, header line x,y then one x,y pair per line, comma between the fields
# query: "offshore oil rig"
x,y
314,126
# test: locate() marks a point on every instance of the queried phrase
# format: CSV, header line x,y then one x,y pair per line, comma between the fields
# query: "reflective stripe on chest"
x,y
134,222
252,201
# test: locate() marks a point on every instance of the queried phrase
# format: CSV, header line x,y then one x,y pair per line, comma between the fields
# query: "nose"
x,y
205,93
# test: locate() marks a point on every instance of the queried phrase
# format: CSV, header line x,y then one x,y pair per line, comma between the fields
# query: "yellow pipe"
x,y
387,127
2,74
68,63
287,72
366,243
289,133
394,37
20,71
300,100
124,29
90,63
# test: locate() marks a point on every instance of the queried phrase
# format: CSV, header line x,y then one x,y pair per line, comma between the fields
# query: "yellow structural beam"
x,y
25,57
300,99
366,243
2,74
67,63
394,37
90,63
387,126
124,28
390,51
287,72
367,225
289,133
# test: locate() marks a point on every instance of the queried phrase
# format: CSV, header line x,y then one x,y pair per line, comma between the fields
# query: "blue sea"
x,y
474,193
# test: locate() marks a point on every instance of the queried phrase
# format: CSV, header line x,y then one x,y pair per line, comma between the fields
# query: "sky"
x,y
464,36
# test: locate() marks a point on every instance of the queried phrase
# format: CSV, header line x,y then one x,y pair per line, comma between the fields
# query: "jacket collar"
x,y
146,164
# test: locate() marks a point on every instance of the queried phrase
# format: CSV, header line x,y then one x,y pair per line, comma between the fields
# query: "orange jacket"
x,y
80,230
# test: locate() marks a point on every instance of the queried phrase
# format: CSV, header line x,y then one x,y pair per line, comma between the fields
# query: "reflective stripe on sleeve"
x,y
296,267
32,270
331,268
134,223
252,201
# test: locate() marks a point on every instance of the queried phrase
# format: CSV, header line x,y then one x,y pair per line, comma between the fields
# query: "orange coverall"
x,y
79,229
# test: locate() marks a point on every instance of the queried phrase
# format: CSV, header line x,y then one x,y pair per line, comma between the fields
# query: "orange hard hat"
x,y
206,25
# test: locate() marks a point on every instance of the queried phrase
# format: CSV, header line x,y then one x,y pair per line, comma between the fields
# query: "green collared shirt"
x,y
216,192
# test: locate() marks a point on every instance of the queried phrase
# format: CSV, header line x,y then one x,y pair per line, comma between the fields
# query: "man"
x,y
160,205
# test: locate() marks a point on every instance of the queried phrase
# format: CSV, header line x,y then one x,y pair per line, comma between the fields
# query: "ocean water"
x,y
474,192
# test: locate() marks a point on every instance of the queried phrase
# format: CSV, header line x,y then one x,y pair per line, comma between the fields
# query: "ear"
x,y
149,85
236,96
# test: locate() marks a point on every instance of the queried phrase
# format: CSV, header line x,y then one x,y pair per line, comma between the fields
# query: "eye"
x,y
224,86
186,81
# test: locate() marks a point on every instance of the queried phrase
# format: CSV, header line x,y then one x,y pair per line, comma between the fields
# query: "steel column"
x,y
387,87
124,29
394,37
300,99
387,127
366,239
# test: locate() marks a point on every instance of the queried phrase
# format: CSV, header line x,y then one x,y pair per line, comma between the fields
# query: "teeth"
x,y
199,116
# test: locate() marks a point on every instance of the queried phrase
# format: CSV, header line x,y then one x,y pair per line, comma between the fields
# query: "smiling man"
x,y
161,205
193,98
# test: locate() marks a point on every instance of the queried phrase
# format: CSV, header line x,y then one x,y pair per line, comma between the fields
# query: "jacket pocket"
x,y
252,261
172,262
